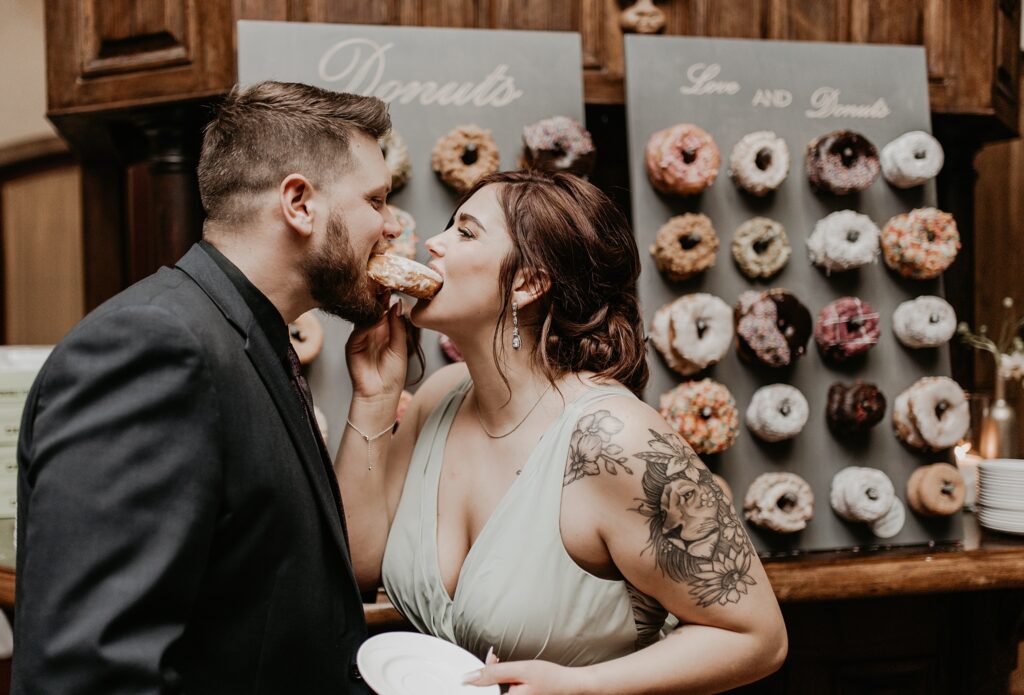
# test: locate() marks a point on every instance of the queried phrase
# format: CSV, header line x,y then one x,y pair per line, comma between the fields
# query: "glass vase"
x,y
999,437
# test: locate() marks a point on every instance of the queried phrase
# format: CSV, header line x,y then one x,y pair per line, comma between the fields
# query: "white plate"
x,y
1008,465
1006,528
408,663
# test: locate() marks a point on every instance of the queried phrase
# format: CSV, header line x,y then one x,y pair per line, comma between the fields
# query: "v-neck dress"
x,y
519,590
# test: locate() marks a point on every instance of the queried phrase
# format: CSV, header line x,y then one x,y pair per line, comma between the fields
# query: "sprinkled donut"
x,y
559,144
911,159
682,160
396,157
861,494
841,162
703,413
924,322
684,246
759,162
937,410
693,332
854,408
760,247
772,327
843,240
845,328
936,490
464,156
307,337
405,244
449,348
404,275
920,244
780,502
777,412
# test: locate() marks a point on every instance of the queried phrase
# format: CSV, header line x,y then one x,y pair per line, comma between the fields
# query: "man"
x,y
180,528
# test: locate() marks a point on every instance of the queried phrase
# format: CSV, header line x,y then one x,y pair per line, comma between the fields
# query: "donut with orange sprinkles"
x,y
920,244
703,413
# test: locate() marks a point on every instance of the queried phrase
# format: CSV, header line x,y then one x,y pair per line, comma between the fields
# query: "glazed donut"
x,y
854,408
777,412
558,144
936,490
780,502
760,247
682,160
307,337
841,162
920,244
924,322
772,327
845,328
405,244
396,157
861,494
903,425
693,332
911,159
464,156
703,413
891,522
938,410
684,246
759,162
404,275
843,240
449,348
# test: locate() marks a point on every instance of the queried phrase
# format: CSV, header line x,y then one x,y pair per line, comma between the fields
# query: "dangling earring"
x,y
516,340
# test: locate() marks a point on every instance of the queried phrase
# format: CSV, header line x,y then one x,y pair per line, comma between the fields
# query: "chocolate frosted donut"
x,y
841,162
845,328
924,322
464,156
780,502
934,414
854,408
307,337
911,159
843,240
703,413
760,247
559,144
396,157
405,244
861,494
772,327
693,332
777,412
759,162
936,490
684,246
682,160
920,244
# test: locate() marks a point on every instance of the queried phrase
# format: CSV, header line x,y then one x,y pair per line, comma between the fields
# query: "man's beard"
x,y
337,278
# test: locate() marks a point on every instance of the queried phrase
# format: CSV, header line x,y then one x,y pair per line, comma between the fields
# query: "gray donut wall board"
x,y
799,91
503,80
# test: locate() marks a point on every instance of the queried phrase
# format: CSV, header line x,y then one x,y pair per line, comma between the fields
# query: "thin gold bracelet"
x,y
369,439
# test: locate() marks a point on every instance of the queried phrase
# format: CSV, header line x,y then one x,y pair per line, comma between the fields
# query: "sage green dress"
x,y
519,590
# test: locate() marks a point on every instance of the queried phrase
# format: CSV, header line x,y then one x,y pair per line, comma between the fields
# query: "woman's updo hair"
x,y
568,230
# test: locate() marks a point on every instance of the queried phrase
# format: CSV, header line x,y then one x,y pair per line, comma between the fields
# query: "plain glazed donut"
x,y
759,162
760,247
903,425
307,337
920,244
559,144
845,328
405,244
924,322
396,157
682,160
841,162
936,490
938,408
855,408
780,502
404,275
464,156
684,246
843,240
777,412
772,327
911,159
703,413
693,332
861,494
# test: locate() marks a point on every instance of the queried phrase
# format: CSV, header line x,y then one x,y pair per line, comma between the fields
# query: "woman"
x,y
535,504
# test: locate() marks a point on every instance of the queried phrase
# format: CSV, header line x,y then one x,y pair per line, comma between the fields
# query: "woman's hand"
x,y
377,357
530,677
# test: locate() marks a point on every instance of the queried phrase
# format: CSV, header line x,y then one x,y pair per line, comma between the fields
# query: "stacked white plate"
x,y
1001,495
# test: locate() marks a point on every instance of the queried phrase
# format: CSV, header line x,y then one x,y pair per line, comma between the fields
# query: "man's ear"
x,y
529,286
294,195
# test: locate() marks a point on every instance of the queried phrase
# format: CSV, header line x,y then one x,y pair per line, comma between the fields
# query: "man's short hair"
x,y
269,130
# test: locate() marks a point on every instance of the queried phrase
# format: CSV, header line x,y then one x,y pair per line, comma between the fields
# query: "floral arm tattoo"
x,y
694,533
591,447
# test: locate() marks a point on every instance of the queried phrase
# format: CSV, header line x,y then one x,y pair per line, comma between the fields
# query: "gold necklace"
x,y
480,419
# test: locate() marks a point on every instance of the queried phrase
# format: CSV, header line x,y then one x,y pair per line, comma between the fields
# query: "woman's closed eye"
x,y
465,233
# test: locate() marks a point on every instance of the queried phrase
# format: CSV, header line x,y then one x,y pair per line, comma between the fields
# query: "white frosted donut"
x,y
891,522
777,412
782,502
861,494
902,423
759,162
911,159
939,410
661,336
702,329
843,240
925,322
396,157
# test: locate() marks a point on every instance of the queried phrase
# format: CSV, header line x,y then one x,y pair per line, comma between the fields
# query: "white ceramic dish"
x,y
407,663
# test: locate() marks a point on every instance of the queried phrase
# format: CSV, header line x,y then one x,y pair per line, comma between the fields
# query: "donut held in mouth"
x,y
404,275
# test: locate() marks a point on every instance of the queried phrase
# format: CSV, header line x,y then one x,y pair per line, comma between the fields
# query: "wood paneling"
x,y
42,252
124,36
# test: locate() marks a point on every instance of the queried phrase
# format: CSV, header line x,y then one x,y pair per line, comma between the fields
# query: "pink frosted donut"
x,y
682,160
846,328
703,413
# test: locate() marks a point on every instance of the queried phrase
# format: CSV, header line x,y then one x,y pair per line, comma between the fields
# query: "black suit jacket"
x,y
177,531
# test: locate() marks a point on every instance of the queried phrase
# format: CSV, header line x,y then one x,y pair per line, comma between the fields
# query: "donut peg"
x,y
642,17
307,337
